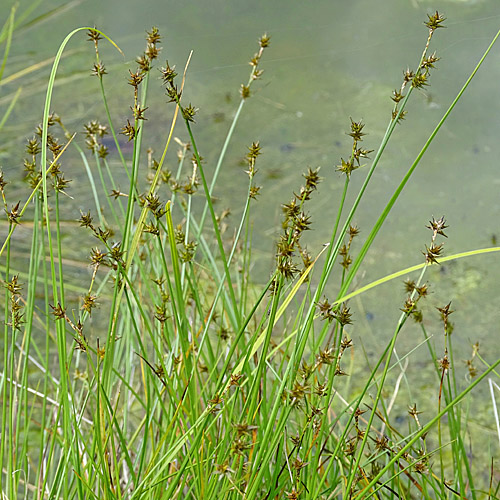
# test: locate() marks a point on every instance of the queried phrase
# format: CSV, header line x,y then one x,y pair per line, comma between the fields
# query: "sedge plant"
x,y
176,373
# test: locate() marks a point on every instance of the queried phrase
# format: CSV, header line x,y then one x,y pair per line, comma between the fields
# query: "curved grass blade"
x,y
411,269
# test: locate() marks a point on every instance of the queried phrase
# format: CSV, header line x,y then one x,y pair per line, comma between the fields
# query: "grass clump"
x,y
176,373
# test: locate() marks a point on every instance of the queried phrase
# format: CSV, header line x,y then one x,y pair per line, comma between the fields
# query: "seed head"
x,y
253,151
435,21
438,226
99,69
244,91
312,178
129,130
33,147
444,362
432,253
344,315
420,80
356,130
144,63
89,302
429,61
153,36
135,78
189,112
58,311
346,167
14,213
254,192
397,96
168,74
85,220
264,40
94,36
14,286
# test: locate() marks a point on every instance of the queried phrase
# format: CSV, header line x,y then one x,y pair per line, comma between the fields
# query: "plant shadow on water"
x,y
155,348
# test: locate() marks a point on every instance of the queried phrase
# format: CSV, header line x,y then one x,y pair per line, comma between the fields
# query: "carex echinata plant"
x,y
171,370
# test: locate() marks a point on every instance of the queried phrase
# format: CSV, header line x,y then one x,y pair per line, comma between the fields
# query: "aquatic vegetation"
x,y
172,371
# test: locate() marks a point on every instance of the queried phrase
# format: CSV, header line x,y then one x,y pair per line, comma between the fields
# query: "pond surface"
x,y
328,61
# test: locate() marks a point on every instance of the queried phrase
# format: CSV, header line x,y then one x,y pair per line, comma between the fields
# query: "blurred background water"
x,y
328,61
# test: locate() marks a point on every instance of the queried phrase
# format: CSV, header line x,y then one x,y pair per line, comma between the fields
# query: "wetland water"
x,y
328,61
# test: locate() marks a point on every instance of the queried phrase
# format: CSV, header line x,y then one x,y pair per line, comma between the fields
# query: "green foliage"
x,y
178,375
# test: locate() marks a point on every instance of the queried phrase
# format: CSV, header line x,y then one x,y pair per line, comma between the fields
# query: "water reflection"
x,y
328,61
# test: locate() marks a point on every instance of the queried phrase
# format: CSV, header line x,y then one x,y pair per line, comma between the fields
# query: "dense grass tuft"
x,y
176,373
